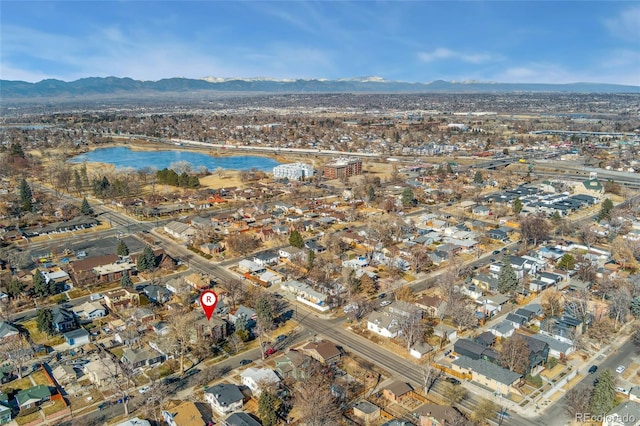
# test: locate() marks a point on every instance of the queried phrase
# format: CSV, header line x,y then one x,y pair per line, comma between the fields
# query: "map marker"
x,y
208,301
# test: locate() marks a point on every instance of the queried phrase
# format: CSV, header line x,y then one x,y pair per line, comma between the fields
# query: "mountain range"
x,y
108,86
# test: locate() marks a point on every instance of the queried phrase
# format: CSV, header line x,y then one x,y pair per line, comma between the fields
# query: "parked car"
x,y
382,295
453,381
280,338
593,369
385,303
620,369
144,389
270,351
245,361
103,406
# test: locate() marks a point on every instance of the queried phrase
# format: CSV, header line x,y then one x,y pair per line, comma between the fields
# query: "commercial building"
x,y
293,171
343,167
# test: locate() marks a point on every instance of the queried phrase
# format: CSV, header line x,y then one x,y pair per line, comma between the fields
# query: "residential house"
x,y
404,309
293,364
33,396
141,358
120,299
434,306
538,353
503,329
7,331
134,421
437,415
367,412
77,337
213,330
241,419
62,319
180,231
625,414
211,248
89,311
103,371
5,409
64,374
249,267
445,332
323,351
197,281
188,414
396,391
290,253
258,378
420,349
383,323
497,234
157,294
144,315
481,211
488,374
224,398
557,348
266,258
487,282
516,319
473,350
247,314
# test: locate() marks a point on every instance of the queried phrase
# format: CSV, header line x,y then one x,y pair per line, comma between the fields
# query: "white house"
x,y
293,171
179,230
256,378
383,323
224,398
90,311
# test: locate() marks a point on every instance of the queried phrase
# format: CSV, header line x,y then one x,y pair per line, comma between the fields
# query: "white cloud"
x,y
442,53
626,25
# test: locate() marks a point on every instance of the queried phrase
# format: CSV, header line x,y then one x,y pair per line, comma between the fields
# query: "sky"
x,y
412,41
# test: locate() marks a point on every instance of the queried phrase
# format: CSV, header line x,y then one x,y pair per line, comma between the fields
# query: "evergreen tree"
x,y
25,196
125,281
566,262
371,193
268,406
147,260
635,306
15,149
604,393
605,209
44,320
39,285
15,288
265,311
122,249
407,197
85,208
517,206
295,239
478,177
507,280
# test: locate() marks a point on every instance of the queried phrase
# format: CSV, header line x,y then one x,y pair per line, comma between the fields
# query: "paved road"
x,y
555,415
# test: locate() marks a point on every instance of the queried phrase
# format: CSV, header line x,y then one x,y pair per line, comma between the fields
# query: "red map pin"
x,y
208,301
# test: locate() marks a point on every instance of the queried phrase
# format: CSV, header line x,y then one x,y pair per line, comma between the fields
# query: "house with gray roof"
x,y
488,374
625,414
557,349
503,329
241,419
7,331
224,398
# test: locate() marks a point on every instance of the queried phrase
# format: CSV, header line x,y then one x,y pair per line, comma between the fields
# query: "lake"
x,y
125,157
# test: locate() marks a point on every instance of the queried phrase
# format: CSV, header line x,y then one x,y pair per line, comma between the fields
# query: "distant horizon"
x,y
536,42
378,79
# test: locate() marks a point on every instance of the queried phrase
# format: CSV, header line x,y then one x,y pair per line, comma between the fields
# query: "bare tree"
x,y
18,351
587,234
430,375
601,330
179,338
157,394
412,329
120,375
242,243
234,289
534,228
577,400
515,354
317,405
551,303
454,393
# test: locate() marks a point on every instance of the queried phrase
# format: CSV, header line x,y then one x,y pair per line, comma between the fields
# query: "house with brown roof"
x,y
82,271
121,298
188,414
437,415
323,351
396,391
197,281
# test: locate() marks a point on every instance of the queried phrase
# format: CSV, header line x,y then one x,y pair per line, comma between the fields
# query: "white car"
x,y
144,389
385,303
620,369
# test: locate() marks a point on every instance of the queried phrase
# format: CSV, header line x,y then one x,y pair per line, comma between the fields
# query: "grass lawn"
x,y
78,292
161,371
81,402
22,420
571,383
515,397
20,384
38,336
40,378
117,352
53,408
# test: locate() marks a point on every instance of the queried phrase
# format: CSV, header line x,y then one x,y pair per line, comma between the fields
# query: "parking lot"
x,y
107,245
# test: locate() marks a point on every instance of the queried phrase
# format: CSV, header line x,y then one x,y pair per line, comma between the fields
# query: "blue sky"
x,y
415,41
